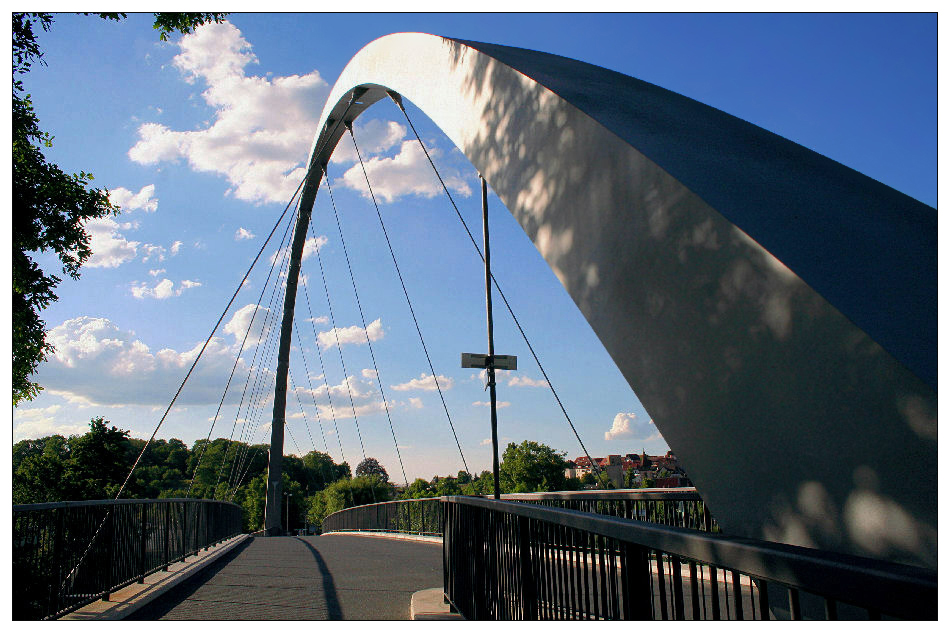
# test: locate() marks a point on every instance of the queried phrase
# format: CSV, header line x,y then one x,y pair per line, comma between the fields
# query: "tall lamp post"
x,y
490,361
288,495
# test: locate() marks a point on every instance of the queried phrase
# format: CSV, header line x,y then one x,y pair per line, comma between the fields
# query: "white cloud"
x,y
415,403
626,425
262,127
312,245
129,201
353,334
409,172
241,320
500,404
374,136
109,248
155,272
425,382
42,422
162,290
368,373
320,320
175,247
485,442
525,381
96,362
153,251
243,234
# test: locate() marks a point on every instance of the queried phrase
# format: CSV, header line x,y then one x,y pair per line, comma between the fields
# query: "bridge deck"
x,y
333,577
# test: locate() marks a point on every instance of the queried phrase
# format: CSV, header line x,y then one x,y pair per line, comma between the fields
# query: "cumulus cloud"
x,y
155,272
175,247
350,386
374,136
129,201
241,321
320,320
525,381
96,362
109,248
353,334
42,422
415,403
243,234
310,248
368,373
626,426
163,289
153,251
312,245
425,382
261,154
408,172
500,404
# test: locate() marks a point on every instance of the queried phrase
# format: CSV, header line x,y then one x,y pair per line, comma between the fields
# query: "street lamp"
x,y
288,495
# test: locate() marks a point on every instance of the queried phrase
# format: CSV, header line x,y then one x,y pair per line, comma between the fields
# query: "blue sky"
x,y
198,140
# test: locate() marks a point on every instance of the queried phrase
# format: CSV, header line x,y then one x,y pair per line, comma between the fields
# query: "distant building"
x,y
644,466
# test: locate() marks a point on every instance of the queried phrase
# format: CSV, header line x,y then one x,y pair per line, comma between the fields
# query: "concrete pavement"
x,y
338,577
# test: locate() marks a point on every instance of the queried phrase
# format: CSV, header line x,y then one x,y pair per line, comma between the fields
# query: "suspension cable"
x,y
293,386
230,377
346,378
405,292
262,381
359,305
323,369
524,336
182,385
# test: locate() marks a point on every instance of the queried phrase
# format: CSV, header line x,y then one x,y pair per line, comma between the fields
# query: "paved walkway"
x,y
333,577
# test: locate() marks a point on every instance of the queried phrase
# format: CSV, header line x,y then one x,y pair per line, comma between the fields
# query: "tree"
x,y
50,207
531,467
369,467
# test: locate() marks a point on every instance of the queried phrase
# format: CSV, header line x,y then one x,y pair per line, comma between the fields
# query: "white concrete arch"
x,y
736,279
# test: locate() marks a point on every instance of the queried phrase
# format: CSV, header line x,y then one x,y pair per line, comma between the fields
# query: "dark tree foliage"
x,y
94,465
370,466
50,207
531,467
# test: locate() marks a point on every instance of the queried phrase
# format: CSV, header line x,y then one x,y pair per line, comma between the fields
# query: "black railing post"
x,y
110,550
58,545
143,563
529,600
168,530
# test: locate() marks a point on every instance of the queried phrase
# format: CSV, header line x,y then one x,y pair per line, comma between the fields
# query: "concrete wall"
x,y
774,311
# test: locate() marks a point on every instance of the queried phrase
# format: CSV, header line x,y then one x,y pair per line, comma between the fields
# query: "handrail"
x,y
69,553
627,504
49,505
900,590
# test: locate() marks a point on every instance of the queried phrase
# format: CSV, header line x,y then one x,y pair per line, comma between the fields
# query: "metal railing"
x,y
517,561
681,507
409,516
60,563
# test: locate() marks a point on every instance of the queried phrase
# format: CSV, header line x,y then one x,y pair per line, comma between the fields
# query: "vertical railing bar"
x,y
831,609
693,590
679,611
737,593
764,611
661,581
794,606
714,592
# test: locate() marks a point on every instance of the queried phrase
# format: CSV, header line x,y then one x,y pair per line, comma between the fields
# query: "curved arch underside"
x,y
773,310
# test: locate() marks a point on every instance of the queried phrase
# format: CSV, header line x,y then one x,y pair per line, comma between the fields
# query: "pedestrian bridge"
x,y
774,311
628,554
